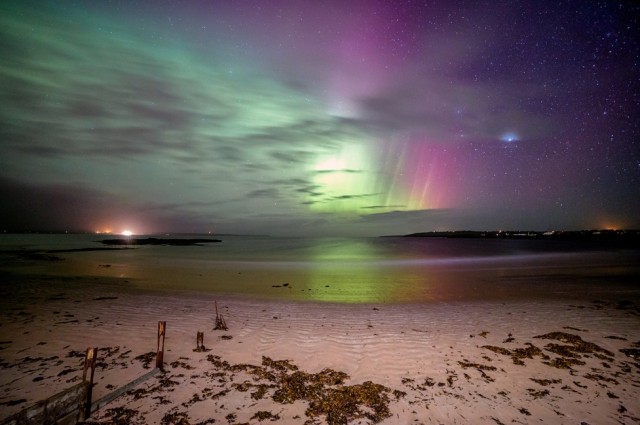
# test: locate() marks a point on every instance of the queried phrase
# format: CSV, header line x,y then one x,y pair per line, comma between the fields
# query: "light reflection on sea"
x,y
361,270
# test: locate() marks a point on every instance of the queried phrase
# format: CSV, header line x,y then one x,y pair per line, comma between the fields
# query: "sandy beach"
x,y
566,362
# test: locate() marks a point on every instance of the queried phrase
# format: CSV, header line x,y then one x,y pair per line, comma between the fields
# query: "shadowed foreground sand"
x,y
295,362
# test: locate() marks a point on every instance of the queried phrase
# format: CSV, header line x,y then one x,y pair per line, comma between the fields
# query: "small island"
x,y
158,241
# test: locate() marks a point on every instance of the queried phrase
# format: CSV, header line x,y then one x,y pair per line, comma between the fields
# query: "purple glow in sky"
x,y
319,117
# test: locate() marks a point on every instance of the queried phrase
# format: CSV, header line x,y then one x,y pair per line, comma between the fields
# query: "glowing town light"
x,y
127,233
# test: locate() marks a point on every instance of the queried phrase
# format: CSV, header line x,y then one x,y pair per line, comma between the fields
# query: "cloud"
x,y
74,207
345,170
402,216
376,207
264,193
295,156
360,196
292,182
93,95
229,154
311,190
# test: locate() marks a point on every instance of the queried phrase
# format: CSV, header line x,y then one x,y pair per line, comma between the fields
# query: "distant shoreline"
x,y
607,236
158,241
554,234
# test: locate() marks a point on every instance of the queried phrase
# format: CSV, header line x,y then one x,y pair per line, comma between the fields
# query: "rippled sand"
x,y
439,361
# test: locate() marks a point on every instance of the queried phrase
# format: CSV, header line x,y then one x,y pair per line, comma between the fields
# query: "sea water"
x,y
346,270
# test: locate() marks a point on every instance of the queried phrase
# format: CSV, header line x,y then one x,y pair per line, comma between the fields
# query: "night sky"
x,y
319,117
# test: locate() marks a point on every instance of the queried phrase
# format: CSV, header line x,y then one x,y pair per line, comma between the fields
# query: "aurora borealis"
x,y
319,117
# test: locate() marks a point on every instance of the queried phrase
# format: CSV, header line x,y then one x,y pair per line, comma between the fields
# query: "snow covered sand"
x,y
518,361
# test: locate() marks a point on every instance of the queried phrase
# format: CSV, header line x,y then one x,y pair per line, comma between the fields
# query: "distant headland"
x,y
158,241
607,236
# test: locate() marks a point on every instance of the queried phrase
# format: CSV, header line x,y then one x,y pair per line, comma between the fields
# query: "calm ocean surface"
x,y
348,270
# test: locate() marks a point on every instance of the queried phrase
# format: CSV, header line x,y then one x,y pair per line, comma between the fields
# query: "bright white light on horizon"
x,y
127,233
510,137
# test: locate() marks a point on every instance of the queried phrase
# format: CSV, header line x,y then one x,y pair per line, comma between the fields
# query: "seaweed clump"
x,y
577,345
122,415
146,358
264,415
306,386
517,354
571,351
175,418
634,353
327,395
344,404
546,382
325,392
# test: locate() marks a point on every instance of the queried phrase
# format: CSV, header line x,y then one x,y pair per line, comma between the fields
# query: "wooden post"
x,y
200,342
89,363
162,326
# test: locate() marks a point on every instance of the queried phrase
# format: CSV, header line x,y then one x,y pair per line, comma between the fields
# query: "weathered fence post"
x,y
200,341
89,363
162,326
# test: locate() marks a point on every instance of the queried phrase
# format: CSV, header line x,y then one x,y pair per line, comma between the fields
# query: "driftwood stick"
x,y
220,323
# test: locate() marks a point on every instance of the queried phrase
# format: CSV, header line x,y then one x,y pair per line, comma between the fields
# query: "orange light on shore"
x,y
611,225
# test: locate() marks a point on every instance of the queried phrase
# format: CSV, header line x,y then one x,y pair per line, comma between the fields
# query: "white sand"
x,y
412,348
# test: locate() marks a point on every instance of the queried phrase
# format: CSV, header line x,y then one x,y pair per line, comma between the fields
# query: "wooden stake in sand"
x,y
162,326
89,363
200,342
221,325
